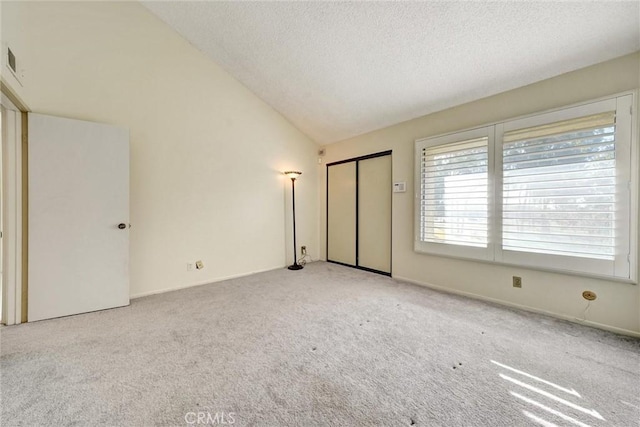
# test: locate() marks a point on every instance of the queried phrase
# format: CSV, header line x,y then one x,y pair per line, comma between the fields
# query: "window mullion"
x,y
496,197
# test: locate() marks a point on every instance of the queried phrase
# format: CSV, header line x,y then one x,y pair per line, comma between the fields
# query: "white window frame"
x,y
471,252
624,268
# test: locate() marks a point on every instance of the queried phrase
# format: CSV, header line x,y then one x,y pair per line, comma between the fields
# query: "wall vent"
x,y
11,60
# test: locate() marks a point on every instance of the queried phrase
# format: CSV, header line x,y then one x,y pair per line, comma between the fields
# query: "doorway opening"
x,y
11,131
1,208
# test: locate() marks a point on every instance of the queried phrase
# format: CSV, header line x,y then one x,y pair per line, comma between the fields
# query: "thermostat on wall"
x,y
399,187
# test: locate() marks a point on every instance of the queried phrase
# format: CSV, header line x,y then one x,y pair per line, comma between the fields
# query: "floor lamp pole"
x,y
295,265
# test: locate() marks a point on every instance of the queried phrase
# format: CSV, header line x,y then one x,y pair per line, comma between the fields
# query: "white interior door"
x,y
78,196
341,213
374,213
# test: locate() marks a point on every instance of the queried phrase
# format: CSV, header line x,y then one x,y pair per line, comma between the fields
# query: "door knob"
x,y
122,226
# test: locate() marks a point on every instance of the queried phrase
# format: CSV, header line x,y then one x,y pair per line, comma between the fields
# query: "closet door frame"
x,y
357,160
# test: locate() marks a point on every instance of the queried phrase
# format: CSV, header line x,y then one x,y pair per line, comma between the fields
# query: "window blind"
x,y
453,202
559,188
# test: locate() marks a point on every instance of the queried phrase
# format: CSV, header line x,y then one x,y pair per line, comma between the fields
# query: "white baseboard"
x,y
204,282
609,328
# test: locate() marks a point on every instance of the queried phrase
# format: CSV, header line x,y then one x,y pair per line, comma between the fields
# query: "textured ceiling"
x,y
340,69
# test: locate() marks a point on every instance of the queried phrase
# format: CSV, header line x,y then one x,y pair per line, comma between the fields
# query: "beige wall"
x,y
206,153
617,305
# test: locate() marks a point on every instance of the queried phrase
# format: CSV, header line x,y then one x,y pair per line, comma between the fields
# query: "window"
x,y
454,204
454,198
553,192
559,188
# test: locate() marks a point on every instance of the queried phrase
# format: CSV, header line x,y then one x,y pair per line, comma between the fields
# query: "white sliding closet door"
x,y
374,213
341,213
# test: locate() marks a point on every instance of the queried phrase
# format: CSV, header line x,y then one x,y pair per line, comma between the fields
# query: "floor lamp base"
x,y
295,267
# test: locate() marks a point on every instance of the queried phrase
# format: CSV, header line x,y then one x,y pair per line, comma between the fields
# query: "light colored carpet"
x,y
327,345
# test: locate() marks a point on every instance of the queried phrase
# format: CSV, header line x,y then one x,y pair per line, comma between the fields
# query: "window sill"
x,y
528,267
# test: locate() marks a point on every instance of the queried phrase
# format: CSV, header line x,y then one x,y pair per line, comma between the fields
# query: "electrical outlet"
x,y
199,265
303,250
189,266
517,282
589,295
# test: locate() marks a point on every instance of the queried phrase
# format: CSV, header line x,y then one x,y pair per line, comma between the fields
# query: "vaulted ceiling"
x,y
340,69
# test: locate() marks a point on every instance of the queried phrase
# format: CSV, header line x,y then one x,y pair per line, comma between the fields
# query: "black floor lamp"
x,y
293,175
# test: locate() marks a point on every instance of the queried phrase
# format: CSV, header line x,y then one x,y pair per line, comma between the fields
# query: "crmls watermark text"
x,y
208,418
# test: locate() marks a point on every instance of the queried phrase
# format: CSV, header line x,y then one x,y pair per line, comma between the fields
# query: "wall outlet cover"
x,y
199,265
